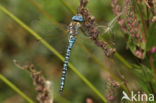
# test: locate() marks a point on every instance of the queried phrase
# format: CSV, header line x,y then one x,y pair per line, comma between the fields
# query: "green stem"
x,y
51,18
119,57
11,85
113,76
68,7
53,50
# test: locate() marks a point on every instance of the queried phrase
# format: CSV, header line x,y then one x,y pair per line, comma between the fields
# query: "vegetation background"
x,y
44,16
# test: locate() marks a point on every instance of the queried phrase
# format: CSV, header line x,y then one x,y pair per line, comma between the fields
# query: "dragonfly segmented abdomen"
x,y
65,65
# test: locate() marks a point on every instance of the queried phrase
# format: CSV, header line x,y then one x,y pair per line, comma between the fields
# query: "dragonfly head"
x,y
77,18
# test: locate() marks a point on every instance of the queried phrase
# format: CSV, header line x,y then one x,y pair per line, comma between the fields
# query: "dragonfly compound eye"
x,y
78,18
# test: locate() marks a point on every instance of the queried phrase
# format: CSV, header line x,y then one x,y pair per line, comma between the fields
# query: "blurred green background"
x,y
16,43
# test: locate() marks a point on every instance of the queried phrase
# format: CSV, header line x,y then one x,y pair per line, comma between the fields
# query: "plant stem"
x,y
51,18
113,76
152,66
53,50
68,7
119,57
11,85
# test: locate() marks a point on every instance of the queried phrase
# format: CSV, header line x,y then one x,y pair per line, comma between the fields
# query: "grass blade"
x,y
11,85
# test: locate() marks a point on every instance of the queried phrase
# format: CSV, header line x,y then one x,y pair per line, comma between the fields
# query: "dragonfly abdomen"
x,y
65,65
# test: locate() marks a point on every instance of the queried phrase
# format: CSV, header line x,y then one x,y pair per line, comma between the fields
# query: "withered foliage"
x,y
90,26
42,86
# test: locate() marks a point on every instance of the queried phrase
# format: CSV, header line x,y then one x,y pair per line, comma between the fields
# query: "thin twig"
x,y
42,86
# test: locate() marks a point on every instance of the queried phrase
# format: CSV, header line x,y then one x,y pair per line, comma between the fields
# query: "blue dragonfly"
x,y
73,31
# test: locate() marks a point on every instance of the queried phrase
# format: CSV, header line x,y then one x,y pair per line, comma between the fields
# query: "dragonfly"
x,y
73,32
